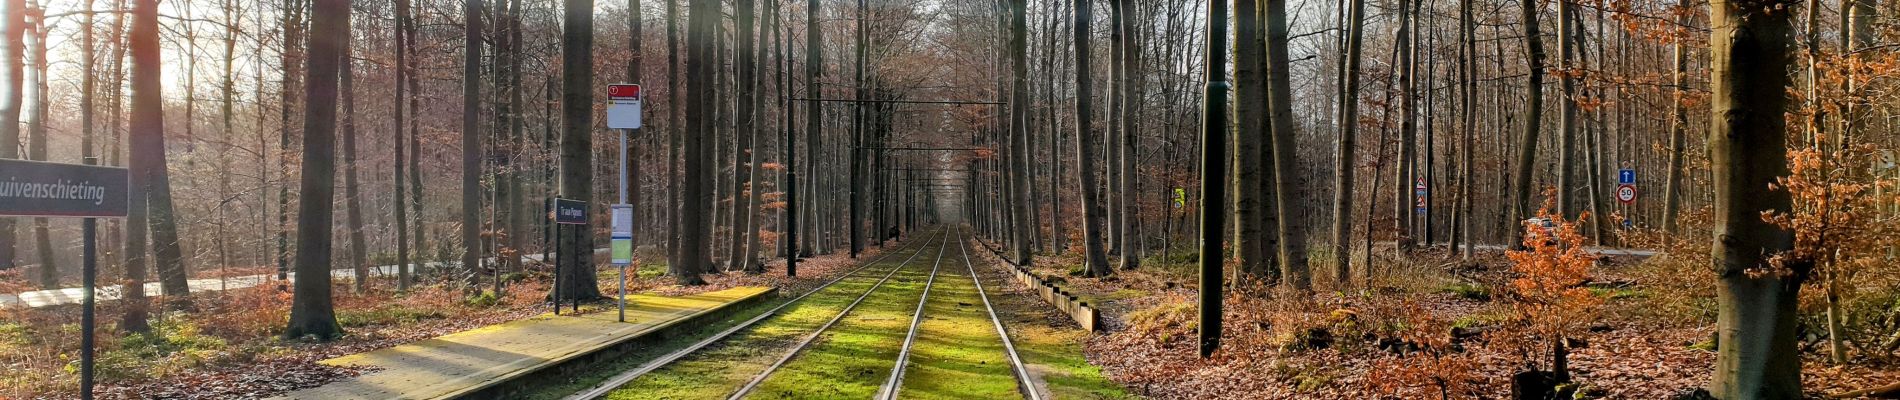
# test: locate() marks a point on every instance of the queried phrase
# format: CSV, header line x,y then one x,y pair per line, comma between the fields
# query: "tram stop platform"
x,y
493,361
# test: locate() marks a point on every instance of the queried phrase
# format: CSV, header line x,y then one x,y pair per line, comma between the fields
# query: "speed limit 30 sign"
x,y
1626,193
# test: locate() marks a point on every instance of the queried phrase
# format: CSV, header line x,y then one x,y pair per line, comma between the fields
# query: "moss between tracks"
x,y
854,357
958,354
717,371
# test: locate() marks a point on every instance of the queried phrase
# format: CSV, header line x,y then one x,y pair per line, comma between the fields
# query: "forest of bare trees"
x,y
1322,149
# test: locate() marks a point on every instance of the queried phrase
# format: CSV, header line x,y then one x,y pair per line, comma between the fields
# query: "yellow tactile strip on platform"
x,y
464,362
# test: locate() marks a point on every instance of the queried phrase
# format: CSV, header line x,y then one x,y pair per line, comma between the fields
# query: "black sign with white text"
x,y
570,212
43,189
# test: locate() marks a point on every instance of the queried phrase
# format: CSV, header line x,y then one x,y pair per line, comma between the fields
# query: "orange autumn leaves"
x,y
1552,270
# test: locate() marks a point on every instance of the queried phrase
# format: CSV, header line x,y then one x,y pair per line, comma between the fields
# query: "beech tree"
x,y
311,310
1086,147
1750,52
577,176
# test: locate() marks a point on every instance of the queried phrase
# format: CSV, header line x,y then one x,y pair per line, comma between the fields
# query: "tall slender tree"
x,y
36,132
1292,216
1567,117
1130,89
814,113
695,219
1678,122
1251,198
1086,146
404,274
472,41
635,31
352,199
13,23
1344,165
676,106
747,122
1533,113
1019,130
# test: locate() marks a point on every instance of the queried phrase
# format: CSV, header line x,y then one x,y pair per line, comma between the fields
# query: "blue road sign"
x,y
1626,176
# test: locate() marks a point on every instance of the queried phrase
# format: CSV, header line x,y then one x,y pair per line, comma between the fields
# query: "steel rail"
x,y
807,341
890,388
622,379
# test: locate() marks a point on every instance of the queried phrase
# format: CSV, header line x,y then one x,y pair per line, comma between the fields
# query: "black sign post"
x,y
566,212
43,189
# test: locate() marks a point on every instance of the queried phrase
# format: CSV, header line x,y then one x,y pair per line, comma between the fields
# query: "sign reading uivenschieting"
x,y
43,189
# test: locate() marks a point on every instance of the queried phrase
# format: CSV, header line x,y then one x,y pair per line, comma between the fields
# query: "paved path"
x,y
74,295
1598,250
466,362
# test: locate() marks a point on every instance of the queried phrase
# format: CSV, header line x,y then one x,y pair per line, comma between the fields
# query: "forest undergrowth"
x,y
1434,326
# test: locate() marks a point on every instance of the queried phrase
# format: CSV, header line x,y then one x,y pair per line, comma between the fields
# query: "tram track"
x,y
615,382
805,343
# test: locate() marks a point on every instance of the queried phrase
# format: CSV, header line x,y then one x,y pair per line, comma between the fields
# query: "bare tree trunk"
x,y
415,143
36,135
755,185
293,27
1292,213
353,202
1111,155
228,91
695,221
1749,58
1087,143
1345,153
1407,67
675,109
1678,126
1567,131
1130,123
472,32
311,313
1252,199
577,159
814,118
635,32
1059,239
1533,112
14,26
1019,130
404,276
515,204
1468,79
747,118
855,224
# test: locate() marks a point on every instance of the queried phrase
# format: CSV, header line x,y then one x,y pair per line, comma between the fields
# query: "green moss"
x,y
1614,293
1469,291
855,357
958,354
719,370
390,314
